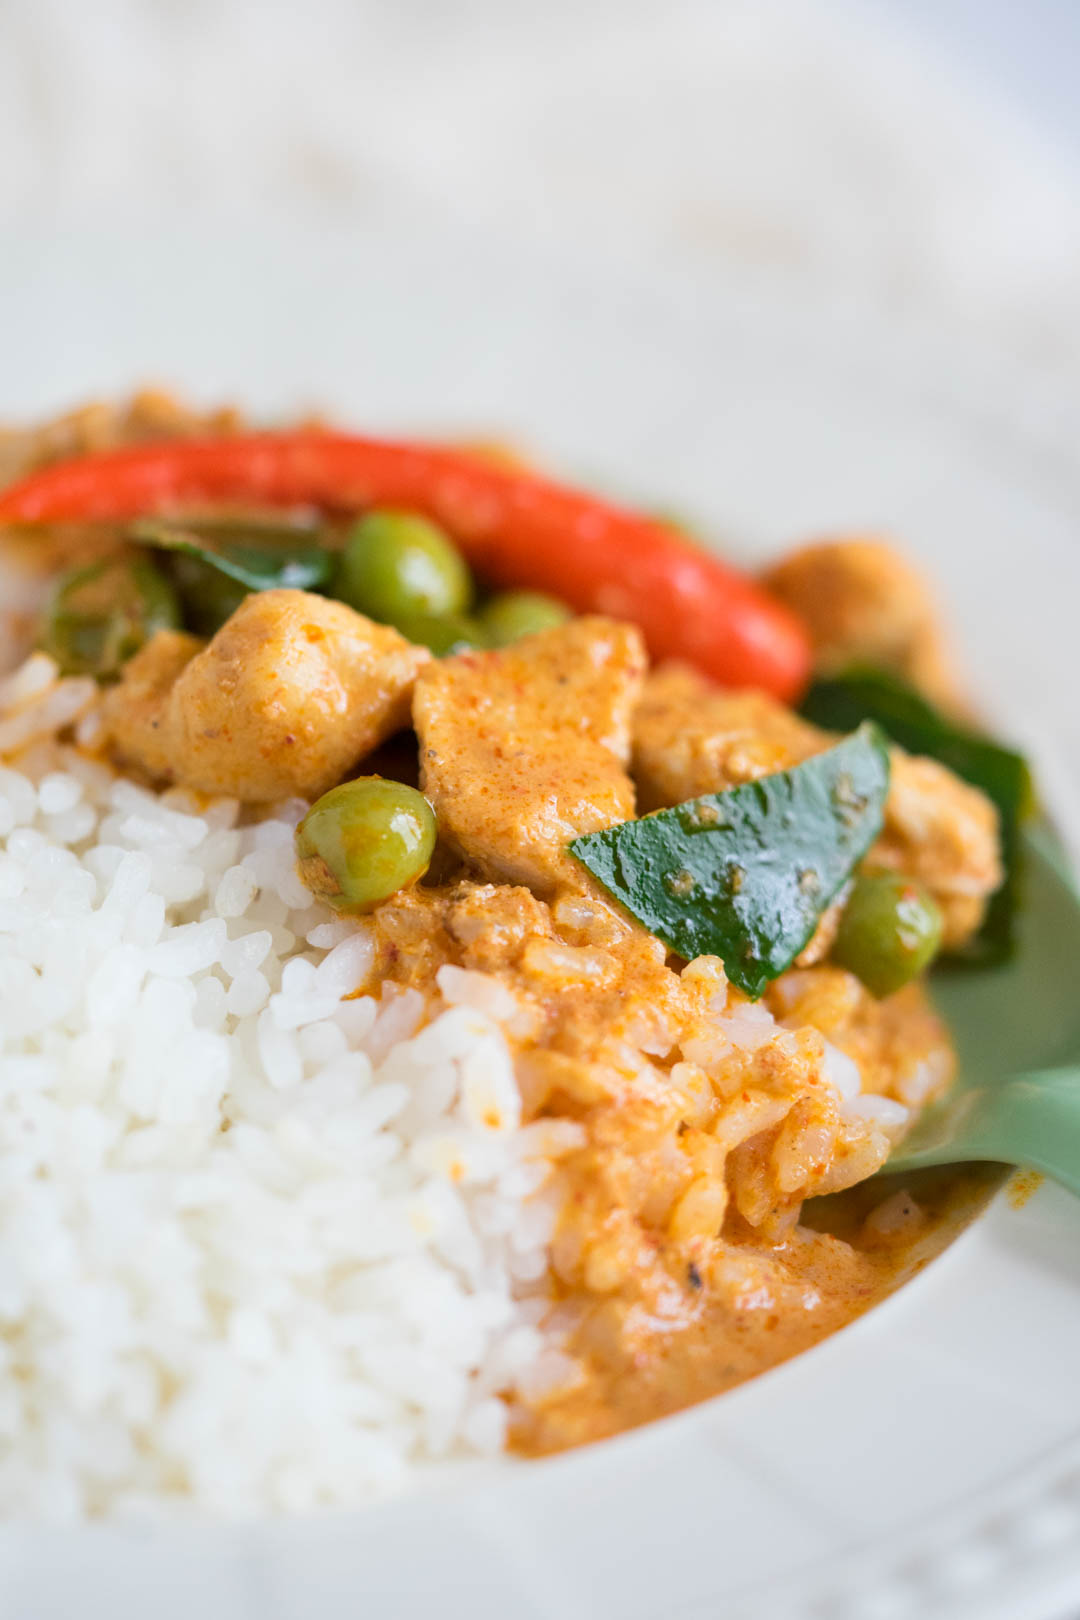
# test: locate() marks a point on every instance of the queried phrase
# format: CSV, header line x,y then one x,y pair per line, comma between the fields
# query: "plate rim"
x,y
941,1569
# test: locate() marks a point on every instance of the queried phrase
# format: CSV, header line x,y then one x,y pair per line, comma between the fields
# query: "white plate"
x,y
926,1461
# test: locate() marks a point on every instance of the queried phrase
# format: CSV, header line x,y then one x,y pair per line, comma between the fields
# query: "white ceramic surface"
x,y
927,1460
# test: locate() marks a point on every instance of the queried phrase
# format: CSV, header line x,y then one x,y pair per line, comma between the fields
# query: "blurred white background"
x,y
912,152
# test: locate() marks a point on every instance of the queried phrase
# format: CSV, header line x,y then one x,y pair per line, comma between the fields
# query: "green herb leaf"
x,y
283,556
99,616
746,875
860,694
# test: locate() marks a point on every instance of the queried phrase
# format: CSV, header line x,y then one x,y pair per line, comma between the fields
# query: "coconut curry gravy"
x,y
849,1253
685,1257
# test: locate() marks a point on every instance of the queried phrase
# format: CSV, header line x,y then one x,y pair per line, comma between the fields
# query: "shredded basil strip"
x,y
746,875
843,701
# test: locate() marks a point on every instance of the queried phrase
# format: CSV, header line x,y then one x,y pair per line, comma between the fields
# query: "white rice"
x,y
266,1244
262,1247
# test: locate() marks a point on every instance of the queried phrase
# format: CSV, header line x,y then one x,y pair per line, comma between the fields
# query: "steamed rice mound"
x,y
269,1243
235,1269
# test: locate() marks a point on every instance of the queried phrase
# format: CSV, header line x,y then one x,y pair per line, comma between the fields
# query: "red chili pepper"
x,y
516,530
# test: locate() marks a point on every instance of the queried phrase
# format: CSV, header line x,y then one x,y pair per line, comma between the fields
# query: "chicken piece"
x,y
692,738
291,693
863,603
523,749
135,709
945,833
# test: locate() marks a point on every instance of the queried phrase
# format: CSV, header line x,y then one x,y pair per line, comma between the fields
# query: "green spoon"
x,y
1016,1099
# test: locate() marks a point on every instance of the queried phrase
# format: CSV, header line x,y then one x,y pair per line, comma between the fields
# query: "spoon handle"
x,y
1032,1120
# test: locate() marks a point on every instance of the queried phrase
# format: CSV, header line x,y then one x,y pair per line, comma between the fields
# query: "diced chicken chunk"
x,y
945,833
521,750
286,699
692,738
863,603
135,709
